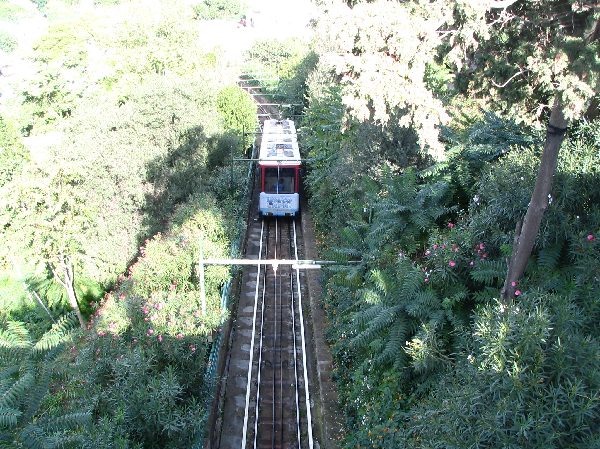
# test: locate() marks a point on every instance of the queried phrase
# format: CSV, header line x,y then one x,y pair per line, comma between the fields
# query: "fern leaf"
x,y
378,325
9,340
412,281
19,330
394,347
60,333
33,437
549,257
68,421
369,296
489,272
16,392
422,304
36,394
367,315
9,417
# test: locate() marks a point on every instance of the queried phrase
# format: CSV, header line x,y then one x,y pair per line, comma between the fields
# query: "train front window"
x,y
280,180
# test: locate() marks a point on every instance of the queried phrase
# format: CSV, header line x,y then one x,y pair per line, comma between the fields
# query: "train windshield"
x,y
280,180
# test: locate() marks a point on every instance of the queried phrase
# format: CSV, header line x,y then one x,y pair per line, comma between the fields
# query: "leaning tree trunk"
x,y
67,280
526,233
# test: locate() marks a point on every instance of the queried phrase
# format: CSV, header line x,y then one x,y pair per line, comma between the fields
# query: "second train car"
x,y
279,164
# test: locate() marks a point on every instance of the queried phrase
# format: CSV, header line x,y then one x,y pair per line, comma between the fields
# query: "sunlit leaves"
x,y
379,52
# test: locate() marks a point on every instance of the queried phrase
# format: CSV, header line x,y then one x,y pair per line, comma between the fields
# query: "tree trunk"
x,y
526,234
68,282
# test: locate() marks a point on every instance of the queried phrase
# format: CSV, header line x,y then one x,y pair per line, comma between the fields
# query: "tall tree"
x,y
379,52
538,60
50,220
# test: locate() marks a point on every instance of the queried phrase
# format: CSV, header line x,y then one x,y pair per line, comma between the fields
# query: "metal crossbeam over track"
x,y
296,264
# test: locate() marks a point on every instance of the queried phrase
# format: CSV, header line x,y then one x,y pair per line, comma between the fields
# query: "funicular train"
x,y
279,164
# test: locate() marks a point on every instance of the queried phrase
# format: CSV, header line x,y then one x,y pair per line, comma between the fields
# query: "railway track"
x,y
277,409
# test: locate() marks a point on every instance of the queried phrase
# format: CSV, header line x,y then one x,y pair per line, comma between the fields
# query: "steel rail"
x,y
281,340
273,420
245,428
293,311
307,392
260,350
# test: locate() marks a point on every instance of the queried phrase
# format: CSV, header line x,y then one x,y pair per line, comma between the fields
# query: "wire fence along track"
x,y
277,411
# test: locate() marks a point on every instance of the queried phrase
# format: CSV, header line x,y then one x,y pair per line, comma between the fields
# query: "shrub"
x,y
7,42
219,9
238,110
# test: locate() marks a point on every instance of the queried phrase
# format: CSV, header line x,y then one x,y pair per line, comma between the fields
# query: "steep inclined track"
x,y
267,399
277,413
267,402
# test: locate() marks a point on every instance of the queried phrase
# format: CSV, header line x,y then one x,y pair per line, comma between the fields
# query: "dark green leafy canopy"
x,y
530,51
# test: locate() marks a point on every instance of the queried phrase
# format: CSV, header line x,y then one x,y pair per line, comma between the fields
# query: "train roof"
x,y
279,144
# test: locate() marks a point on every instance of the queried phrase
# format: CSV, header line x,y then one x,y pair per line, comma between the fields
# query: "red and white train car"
x,y
279,163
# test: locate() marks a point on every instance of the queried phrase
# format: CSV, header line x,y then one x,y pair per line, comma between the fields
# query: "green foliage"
x,y
521,68
144,367
13,156
531,381
219,9
417,334
283,67
379,52
238,110
40,4
7,42
26,370
131,103
11,12
503,192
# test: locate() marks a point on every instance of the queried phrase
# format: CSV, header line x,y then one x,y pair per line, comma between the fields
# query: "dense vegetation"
x,y
425,129
424,125
112,175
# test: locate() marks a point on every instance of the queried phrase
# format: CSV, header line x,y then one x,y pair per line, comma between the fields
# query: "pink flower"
x,y
484,255
101,333
121,296
159,306
435,247
426,280
160,338
513,283
193,348
452,263
591,237
443,246
179,336
145,310
150,331
427,253
481,246
154,317
517,292
451,225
